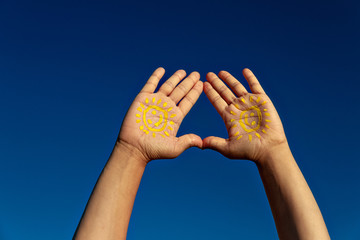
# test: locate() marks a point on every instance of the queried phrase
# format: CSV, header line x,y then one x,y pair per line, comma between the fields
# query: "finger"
x,y
252,81
184,87
215,98
153,81
220,87
190,99
187,141
218,144
171,83
234,84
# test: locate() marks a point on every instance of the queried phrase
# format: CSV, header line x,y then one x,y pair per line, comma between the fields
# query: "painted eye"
x,y
155,118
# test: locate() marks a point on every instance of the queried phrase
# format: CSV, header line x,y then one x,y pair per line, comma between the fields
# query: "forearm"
x,y
295,211
109,209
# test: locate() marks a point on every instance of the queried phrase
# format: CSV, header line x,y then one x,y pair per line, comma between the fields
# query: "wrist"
x,y
130,153
276,153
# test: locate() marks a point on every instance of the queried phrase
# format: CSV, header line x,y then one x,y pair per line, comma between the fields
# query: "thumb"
x,y
187,141
217,144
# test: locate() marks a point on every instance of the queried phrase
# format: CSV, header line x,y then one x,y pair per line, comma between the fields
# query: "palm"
x,y
153,119
251,119
151,126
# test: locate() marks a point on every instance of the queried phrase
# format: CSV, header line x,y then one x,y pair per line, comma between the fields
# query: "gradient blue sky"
x,y
70,69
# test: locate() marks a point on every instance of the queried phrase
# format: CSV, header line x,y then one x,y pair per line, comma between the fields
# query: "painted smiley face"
x,y
155,117
252,119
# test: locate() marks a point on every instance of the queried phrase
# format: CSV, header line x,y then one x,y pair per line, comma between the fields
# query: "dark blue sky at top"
x,y
70,69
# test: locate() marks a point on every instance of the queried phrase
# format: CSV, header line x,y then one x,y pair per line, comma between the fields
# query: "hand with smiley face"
x,y
253,125
153,119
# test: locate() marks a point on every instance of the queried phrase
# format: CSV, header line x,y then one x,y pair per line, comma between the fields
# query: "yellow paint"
x,y
233,126
239,137
251,98
265,110
267,126
263,103
162,114
246,120
244,123
173,115
252,114
253,123
258,100
243,100
250,137
163,118
264,131
232,113
258,135
267,114
237,133
231,120
237,106
267,120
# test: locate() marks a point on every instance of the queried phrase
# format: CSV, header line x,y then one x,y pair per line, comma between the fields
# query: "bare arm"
x,y
148,132
256,133
296,213
108,211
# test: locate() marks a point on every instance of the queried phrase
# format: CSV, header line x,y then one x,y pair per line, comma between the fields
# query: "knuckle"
x,y
178,75
236,84
223,89
151,84
255,84
170,84
216,99
182,87
190,99
227,75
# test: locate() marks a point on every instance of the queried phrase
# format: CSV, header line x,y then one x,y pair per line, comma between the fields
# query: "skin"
x,y
108,211
294,208
295,211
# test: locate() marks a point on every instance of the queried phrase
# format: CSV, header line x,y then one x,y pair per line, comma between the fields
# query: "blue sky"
x,y
70,69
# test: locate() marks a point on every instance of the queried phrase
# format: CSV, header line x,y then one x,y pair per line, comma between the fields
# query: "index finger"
x,y
153,81
252,81
216,100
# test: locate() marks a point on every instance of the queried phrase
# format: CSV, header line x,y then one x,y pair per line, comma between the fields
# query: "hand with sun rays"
x,y
153,119
252,122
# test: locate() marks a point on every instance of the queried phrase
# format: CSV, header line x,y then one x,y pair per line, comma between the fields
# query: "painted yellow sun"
x,y
252,120
155,118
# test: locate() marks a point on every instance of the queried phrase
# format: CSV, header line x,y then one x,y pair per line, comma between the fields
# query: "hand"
x,y
153,119
253,125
